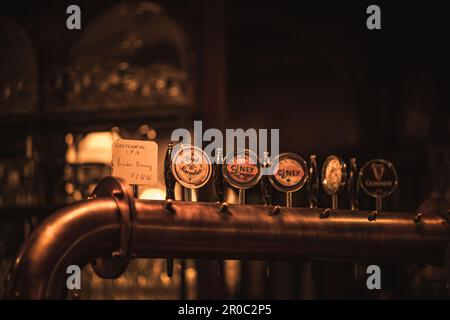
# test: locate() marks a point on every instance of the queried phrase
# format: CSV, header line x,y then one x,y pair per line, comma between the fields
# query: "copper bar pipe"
x,y
252,232
73,235
86,230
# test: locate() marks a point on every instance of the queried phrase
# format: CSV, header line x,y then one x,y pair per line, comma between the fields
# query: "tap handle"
x,y
313,182
169,178
353,185
218,181
266,186
170,181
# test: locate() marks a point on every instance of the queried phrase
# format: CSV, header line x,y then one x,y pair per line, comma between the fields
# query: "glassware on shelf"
x,y
143,64
118,87
144,279
88,160
18,176
18,70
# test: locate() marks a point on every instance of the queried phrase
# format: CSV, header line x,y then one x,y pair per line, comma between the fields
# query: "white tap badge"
x,y
135,161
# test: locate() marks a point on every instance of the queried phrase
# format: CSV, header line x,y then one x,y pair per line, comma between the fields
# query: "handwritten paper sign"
x,y
135,161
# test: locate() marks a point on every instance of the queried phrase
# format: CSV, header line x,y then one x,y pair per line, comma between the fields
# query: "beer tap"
x,y
288,175
266,190
266,187
219,189
313,182
378,178
334,175
191,168
312,186
353,185
219,183
169,180
242,170
353,199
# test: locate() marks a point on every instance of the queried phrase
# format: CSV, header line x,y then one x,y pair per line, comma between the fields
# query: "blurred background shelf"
x,y
162,116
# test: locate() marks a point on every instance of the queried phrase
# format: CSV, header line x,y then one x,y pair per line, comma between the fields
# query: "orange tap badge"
x,y
290,172
242,169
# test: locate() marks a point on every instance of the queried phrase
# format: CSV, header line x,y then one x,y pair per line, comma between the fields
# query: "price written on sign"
x,y
135,161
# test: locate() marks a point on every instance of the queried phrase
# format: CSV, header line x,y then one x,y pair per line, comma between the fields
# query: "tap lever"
x,y
353,185
266,187
218,181
169,178
313,182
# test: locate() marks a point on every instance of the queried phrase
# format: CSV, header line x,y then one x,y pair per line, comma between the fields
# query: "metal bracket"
x,y
112,266
326,213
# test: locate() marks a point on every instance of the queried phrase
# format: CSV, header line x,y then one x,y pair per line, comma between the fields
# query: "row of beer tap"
x,y
242,169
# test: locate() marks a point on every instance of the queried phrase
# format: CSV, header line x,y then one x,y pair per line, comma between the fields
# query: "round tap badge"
x,y
290,172
378,178
334,175
242,169
191,166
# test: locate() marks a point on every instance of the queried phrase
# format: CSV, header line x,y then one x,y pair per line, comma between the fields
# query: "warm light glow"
x,y
69,138
232,270
191,274
152,194
94,148
142,281
165,279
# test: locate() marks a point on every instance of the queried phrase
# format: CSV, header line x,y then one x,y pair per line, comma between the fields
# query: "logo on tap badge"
x,y
334,175
290,172
191,166
378,178
242,169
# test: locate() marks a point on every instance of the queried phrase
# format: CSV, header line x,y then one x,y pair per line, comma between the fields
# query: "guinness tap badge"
x,y
290,173
378,178
242,169
334,175
191,166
